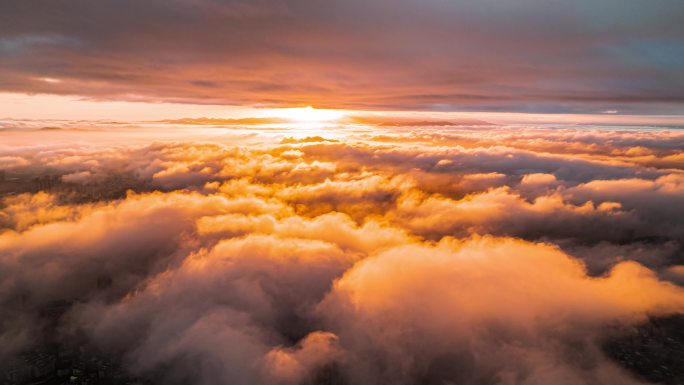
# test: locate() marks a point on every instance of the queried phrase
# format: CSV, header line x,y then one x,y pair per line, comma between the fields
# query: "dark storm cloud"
x,y
526,55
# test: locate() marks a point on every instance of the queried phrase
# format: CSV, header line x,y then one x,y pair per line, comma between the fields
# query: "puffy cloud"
x,y
384,255
659,201
538,179
230,304
487,310
25,210
299,364
501,211
90,251
12,161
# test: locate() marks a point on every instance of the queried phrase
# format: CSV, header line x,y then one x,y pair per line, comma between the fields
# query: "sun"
x,y
308,114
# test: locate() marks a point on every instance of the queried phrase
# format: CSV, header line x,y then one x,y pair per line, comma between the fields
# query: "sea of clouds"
x,y
404,255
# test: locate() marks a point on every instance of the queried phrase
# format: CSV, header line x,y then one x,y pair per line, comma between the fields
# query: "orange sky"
x,y
56,107
527,56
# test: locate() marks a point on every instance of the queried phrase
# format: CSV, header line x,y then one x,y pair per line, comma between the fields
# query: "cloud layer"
x,y
410,255
528,56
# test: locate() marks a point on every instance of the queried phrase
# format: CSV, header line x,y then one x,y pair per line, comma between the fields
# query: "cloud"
x,y
384,255
268,285
538,179
77,177
294,365
398,122
226,122
12,161
406,55
487,310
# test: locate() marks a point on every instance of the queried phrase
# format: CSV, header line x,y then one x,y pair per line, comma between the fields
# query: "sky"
x,y
522,56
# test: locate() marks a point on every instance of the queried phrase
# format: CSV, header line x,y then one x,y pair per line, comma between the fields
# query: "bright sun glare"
x,y
308,114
